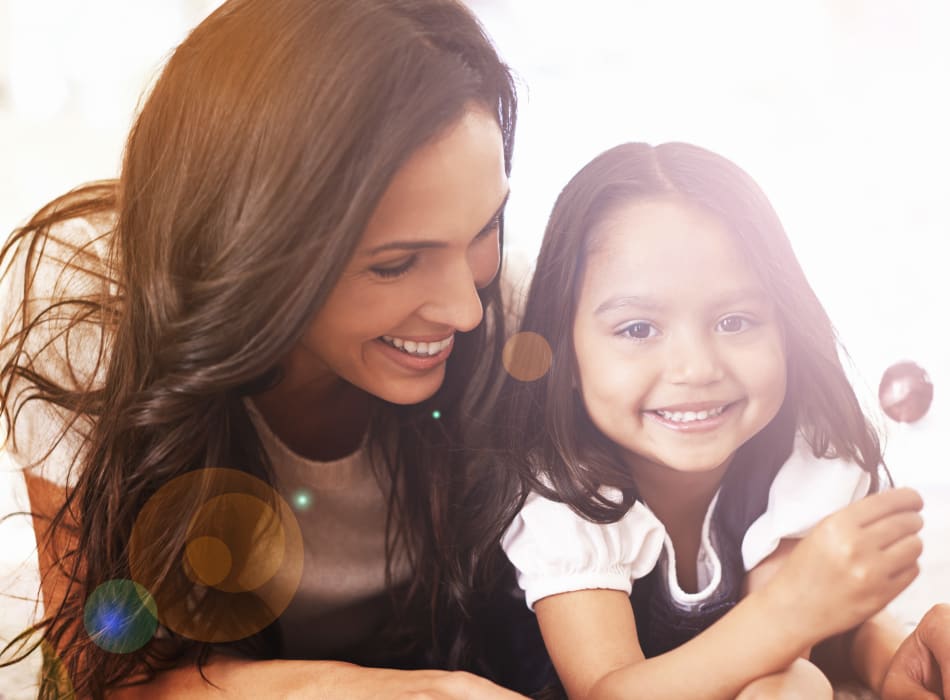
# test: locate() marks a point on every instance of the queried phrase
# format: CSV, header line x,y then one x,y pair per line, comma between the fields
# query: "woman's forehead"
x,y
451,186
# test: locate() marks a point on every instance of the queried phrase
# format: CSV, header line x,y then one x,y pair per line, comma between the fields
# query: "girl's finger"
x,y
903,554
879,505
893,528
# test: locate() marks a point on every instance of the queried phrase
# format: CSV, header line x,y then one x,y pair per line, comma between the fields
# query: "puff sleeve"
x,y
555,550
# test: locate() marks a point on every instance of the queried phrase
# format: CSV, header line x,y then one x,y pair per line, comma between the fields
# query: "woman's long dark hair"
x,y
544,426
248,178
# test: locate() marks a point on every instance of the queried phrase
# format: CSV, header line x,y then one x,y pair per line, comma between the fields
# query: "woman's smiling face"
x,y
412,284
679,354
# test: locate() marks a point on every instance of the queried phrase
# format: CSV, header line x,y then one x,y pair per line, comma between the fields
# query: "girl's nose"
x,y
694,360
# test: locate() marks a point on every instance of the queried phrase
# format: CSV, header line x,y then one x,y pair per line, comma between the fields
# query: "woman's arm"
x,y
239,678
229,677
920,668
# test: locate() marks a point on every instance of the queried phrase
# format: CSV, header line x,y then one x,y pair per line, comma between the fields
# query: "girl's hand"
x,y
920,670
851,565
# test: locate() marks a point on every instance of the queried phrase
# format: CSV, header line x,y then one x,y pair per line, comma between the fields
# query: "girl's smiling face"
x,y
432,242
679,355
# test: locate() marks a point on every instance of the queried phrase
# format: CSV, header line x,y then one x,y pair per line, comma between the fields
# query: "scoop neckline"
x,y
335,473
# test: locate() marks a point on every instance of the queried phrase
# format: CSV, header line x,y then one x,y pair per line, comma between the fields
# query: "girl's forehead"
x,y
667,246
656,224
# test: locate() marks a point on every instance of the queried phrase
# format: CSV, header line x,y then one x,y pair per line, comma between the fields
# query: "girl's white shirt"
x,y
555,550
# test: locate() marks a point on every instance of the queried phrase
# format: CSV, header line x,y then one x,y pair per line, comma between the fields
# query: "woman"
x,y
290,294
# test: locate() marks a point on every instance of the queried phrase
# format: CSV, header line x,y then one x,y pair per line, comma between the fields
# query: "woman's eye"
x,y
389,272
639,330
733,324
492,228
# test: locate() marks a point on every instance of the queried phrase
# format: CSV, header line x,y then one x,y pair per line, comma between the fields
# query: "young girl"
x,y
695,423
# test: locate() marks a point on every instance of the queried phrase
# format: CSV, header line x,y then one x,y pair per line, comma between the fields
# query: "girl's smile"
x,y
692,418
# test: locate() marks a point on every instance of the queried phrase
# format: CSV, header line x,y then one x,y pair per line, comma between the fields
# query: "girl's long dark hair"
x,y
543,425
248,177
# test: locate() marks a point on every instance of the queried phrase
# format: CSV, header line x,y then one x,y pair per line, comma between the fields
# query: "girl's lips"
x,y
694,426
412,362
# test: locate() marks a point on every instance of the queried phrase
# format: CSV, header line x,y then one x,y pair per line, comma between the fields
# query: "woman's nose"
x,y
454,302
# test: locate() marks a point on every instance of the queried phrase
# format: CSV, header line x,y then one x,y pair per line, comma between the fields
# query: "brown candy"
x,y
905,392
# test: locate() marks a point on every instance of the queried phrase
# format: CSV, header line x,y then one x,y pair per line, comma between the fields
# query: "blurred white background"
x,y
837,107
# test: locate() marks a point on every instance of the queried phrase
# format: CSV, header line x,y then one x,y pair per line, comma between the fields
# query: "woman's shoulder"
x,y
52,287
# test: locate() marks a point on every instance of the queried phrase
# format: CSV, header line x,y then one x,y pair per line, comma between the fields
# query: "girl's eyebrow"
x,y
620,301
420,245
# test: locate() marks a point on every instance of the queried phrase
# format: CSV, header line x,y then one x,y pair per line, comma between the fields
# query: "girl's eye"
x,y
394,270
639,330
733,324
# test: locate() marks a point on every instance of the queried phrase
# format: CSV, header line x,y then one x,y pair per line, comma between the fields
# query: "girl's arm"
x,y
852,564
592,639
243,678
870,648
801,676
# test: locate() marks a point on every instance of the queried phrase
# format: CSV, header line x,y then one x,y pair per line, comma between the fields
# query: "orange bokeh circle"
x,y
241,563
527,356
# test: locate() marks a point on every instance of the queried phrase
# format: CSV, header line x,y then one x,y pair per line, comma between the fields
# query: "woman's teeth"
x,y
411,347
690,416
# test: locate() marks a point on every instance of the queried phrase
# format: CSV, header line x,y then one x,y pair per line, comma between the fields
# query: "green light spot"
x,y
302,499
437,414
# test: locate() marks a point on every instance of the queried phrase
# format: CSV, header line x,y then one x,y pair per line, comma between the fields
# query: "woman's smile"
x,y
416,355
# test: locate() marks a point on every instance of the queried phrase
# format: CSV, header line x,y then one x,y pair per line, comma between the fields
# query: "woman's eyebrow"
x,y
421,245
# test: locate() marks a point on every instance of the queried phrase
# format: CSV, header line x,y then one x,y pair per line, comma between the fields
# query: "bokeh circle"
x,y
527,356
120,616
905,392
241,561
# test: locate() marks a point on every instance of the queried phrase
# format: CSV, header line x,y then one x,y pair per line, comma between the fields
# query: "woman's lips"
x,y
416,362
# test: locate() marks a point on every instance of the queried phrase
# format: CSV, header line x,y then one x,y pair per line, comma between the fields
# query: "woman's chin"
x,y
409,391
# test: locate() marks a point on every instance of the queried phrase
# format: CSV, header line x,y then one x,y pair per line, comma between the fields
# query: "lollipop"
x,y
905,392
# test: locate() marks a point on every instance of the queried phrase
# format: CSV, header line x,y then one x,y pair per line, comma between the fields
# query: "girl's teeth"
x,y
690,416
411,347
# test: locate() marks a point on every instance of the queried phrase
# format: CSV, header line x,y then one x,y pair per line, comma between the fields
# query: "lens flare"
x,y
527,356
120,616
241,561
302,499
